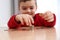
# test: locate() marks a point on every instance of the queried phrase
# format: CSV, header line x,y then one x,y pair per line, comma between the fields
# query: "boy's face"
x,y
28,7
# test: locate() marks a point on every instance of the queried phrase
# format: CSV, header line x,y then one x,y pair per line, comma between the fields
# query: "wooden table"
x,y
36,34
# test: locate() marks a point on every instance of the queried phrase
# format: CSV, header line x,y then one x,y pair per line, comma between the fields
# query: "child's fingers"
x,y
21,19
51,20
30,24
49,17
28,20
25,18
31,18
46,14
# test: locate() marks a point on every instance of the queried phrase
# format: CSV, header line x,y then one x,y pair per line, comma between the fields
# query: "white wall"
x,y
58,22
59,11
44,5
5,12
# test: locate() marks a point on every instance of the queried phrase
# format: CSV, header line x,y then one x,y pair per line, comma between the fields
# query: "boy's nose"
x,y
28,10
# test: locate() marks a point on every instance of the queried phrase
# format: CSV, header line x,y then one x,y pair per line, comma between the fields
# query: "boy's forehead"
x,y
27,3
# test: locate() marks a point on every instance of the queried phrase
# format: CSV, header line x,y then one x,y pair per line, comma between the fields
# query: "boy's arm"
x,y
39,21
50,24
12,23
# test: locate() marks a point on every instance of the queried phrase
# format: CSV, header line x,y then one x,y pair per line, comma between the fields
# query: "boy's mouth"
x,y
31,13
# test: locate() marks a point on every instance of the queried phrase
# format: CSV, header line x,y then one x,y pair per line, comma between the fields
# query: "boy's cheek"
x,y
34,10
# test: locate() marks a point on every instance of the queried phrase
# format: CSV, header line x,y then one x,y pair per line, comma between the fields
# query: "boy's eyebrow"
x,y
31,6
26,6
23,6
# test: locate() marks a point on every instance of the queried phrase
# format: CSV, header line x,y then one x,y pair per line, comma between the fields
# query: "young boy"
x,y
27,16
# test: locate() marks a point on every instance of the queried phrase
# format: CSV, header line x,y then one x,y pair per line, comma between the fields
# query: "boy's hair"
x,y
19,1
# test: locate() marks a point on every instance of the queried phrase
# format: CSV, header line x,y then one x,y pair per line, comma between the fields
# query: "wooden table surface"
x,y
36,34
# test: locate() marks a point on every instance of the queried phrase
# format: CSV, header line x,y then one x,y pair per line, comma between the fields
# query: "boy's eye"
x,y
31,8
24,8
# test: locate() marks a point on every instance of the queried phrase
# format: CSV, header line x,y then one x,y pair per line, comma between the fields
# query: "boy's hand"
x,y
25,18
48,16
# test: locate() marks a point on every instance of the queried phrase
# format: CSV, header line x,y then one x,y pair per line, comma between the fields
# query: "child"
x,y
27,16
